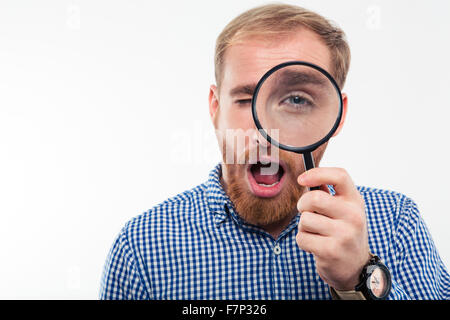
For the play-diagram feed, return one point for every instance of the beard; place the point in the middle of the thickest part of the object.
(261, 211)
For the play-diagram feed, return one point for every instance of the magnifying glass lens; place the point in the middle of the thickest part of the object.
(297, 106)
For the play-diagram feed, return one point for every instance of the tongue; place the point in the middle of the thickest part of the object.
(264, 178)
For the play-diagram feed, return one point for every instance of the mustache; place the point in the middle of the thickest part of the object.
(240, 146)
(270, 159)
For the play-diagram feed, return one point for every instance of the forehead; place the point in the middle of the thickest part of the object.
(246, 61)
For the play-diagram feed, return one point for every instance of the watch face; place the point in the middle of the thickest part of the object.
(377, 282)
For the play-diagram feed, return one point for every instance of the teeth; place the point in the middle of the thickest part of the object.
(268, 185)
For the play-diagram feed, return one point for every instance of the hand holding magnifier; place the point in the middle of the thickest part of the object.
(302, 103)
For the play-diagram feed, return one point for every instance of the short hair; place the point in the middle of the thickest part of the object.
(275, 20)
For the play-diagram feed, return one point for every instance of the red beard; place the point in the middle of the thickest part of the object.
(265, 211)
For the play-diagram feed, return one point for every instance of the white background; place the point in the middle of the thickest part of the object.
(103, 114)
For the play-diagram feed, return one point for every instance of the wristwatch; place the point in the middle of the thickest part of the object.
(375, 283)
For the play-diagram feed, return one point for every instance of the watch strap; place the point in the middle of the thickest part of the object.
(352, 294)
(346, 295)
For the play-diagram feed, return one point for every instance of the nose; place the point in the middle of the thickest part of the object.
(259, 139)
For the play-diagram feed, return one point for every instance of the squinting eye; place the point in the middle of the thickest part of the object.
(244, 101)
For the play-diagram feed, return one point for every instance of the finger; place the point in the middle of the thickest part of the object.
(310, 242)
(337, 177)
(321, 202)
(315, 223)
(324, 188)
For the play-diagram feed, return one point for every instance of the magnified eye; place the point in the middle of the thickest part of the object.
(297, 101)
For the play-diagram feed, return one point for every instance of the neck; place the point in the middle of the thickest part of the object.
(275, 229)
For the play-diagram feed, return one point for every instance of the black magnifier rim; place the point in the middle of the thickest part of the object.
(263, 132)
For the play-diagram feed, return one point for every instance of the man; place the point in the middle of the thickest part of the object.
(247, 235)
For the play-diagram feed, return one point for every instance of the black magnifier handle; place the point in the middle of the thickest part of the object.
(308, 161)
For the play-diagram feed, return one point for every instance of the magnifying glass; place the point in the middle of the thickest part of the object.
(302, 103)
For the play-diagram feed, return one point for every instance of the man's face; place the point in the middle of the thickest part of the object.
(260, 198)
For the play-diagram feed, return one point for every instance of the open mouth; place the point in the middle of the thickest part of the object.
(265, 179)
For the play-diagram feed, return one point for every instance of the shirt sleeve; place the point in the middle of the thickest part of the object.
(121, 279)
(418, 272)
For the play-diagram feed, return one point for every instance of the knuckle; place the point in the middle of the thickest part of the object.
(333, 228)
(299, 236)
(339, 228)
(349, 238)
(357, 220)
(342, 173)
(346, 238)
(306, 215)
(301, 228)
(300, 239)
(304, 220)
(313, 200)
(331, 251)
(310, 199)
(300, 205)
(316, 196)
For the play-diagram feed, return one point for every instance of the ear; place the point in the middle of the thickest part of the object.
(213, 103)
(344, 113)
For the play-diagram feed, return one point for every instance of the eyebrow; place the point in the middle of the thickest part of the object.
(246, 89)
(290, 77)
(293, 78)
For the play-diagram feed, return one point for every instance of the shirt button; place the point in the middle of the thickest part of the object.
(277, 249)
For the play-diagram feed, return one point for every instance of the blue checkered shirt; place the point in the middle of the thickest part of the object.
(195, 246)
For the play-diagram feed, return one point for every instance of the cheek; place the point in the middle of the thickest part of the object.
(318, 153)
(293, 160)
(232, 125)
(235, 117)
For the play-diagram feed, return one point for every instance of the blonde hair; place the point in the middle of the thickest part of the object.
(276, 20)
